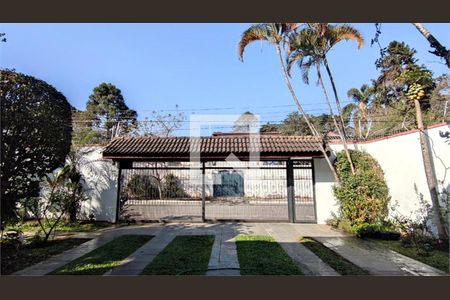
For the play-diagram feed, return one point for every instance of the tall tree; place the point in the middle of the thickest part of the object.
(362, 98)
(83, 134)
(418, 86)
(277, 34)
(245, 122)
(389, 102)
(160, 124)
(111, 115)
(35, 137)
(439, 49)
(309, 47)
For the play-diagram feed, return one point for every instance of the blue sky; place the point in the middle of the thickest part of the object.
(158, 66)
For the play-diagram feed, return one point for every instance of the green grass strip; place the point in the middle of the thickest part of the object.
(185, 255)
(438, 259)
(331, 258)
(104, 258)
(262, 255)
(13, 260)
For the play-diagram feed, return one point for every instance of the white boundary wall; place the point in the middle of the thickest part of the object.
(100, 185)
(400, 158)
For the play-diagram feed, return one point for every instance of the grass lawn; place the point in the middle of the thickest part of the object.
(331, 258)
(33, 226)
(438, 259)
(185, 255)
(104, 258)
(262, 255)
(13, 260)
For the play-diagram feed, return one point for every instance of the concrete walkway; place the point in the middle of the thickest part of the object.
(307, 261)
(224, 255)
(372, 257)
(376, 259)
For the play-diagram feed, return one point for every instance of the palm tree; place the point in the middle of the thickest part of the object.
(439, 49)
(309, 47)
(304, 48)
(361, 97)
(277, 35)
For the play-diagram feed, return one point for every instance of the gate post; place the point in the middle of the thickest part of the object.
(203, 192)
(290, 190)
(119, 181)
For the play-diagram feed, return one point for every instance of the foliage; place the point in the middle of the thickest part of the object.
(32, 226)
(111, 116)
(383, 231)
(144, 186)
(83, 133)
(416, 231)
(160, 124)
(295, 124)
(358, 112)
(172, 187)
(62, 193)
(364, 196)
(36, 136)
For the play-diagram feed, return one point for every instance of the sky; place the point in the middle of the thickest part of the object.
(194, 66)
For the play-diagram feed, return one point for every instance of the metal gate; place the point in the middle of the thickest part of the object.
(251, 191)
(304, 192)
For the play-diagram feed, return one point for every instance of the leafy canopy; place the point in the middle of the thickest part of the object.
(36, 135)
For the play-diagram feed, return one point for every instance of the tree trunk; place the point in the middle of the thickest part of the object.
(297, 103)
(338, 105)
(431, 179)
(327, 100)
(440, 50)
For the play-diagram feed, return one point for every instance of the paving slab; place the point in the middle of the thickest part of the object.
(307, 261)
(224, 254)
(377, 260)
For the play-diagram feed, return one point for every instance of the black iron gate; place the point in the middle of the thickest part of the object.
(253, 191)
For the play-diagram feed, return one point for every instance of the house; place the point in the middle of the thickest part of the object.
(237, 189)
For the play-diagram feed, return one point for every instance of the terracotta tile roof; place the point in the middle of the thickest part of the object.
(215, 145)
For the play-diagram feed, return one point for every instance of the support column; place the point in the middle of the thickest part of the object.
(290, 190)
(203, 192)
(119, 181)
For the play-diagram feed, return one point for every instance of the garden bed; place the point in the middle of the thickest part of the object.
(13, 260)
(104, 258)
(33, 226)
(262, 255)
(331, 258)
(185, 255)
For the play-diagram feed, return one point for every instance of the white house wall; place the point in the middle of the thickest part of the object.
(100, 185)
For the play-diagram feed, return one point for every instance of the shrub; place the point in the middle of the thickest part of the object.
(416, 232)
(35, 136)
(172, 187)
(364, 196)
(383, 231)
(143, 186)
(333, 221)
